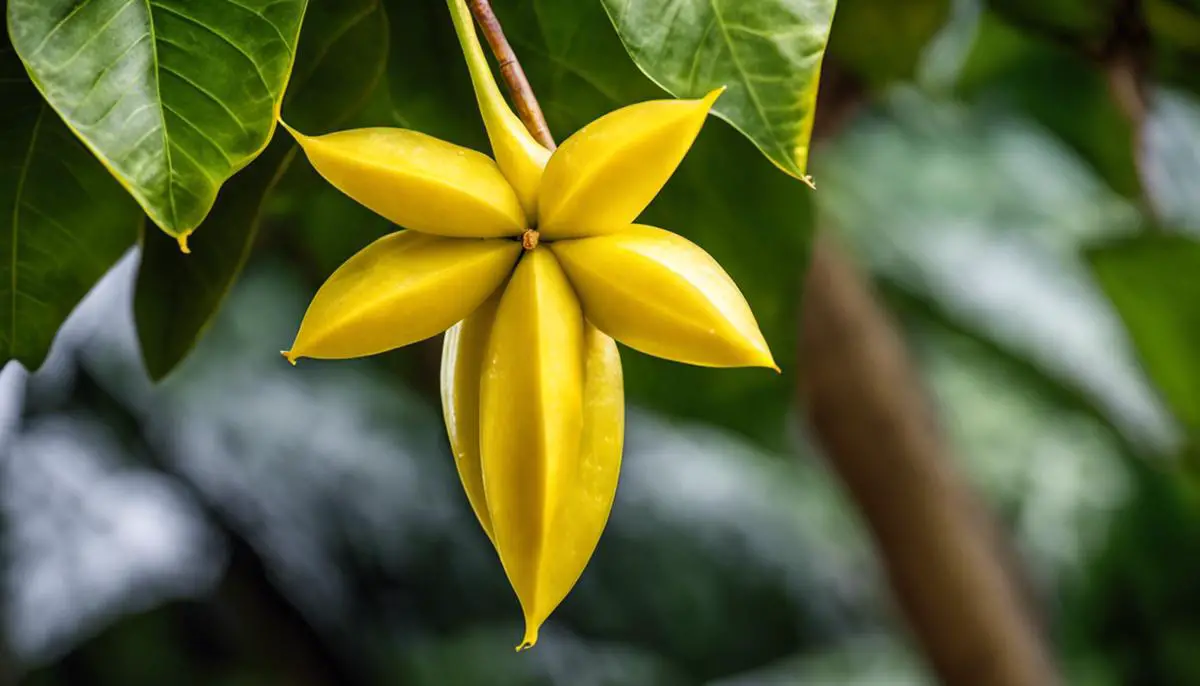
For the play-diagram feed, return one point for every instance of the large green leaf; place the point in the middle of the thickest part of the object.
(63, 220)
(341, 57)
(755, 221)
(174, 96)
(1154, 282)
(767, 52)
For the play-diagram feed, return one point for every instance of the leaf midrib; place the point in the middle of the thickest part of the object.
(162, 114)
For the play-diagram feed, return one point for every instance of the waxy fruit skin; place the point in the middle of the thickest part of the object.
(659, 293)
(418, 181)
(575, 527)
(604, 175)
(403, 288)
(531, 412)
(463, 351)
(532, 389)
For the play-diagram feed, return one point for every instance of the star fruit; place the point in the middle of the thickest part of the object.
(532, 265)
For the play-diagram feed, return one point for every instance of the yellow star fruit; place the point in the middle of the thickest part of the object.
(532, 266)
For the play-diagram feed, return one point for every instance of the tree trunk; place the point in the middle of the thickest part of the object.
(940, 548)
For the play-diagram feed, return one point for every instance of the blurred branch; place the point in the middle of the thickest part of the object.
(1124, 63)
(951, 572)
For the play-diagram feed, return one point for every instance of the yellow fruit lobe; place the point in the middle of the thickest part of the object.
(418, 181)
(663, 295)
(531, 419)
(403, 288)
(583, 511)
(600, 179)
(519, 156)
(463, 352)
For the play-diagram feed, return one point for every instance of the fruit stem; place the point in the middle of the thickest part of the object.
(510, 70)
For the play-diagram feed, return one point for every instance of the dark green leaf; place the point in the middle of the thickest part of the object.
(908, 27)
(341, 57)
(174, 96)
(1085, 23)
(63, 219)
(1154, 282)
(1175, 28)
(756, 222)
(767, 52)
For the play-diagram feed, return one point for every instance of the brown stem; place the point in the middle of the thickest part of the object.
(510, 70)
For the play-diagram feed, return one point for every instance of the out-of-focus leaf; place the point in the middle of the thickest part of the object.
(1154, 283)
(858, 42)
(1084, 22)
(725, 197)
(1175, 22)
(767, 52)
(1063, 392)
(429, 83)
(174, 96)
(63, 220)
(985, 216)
(1059, 88)
(341, 57)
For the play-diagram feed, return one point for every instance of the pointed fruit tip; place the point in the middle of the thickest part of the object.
(713, 94)
(530, 640)
(183, 243)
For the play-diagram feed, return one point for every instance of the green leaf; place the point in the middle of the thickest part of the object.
(733, 203)
(341, 57)
(63, 220)
(173, 96)
(767, 52)
(908, 27)
(1152, 281)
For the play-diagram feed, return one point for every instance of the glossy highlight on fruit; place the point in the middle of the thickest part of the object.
(532, 265)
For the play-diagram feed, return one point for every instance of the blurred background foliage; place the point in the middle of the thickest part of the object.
(1035, 234)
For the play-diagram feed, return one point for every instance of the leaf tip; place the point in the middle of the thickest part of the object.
(183, 242)
(290, 356)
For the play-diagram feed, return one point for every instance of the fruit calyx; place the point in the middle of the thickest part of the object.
(529, 239)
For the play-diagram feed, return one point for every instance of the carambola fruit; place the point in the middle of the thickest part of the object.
(533, 266)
